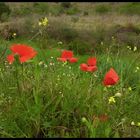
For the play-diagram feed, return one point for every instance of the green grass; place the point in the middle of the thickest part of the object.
(50, 99)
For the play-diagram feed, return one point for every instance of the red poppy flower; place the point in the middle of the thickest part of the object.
(72, 60)
(111, 77)
(103, 117)
(83, 67)
(67, 56)
(90, 66)
(10, 58)
(25, 53)
(91, 61)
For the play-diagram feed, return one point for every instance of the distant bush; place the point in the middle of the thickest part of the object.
(72, 11)
(66, 4)
(4, 11)
(41, 8)
(23, 11)
(103, 9)
(130, 8)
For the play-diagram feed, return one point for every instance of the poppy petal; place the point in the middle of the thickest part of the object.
(91, 68)
(92, 61)
(25, 58)
(73, 60)
(10, 58)
(62, 59)
(103, 118)
(83, 67)
(111, 77)
(21, 49)
(67, 54)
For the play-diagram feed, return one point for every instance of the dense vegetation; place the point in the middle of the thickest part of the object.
(44, 97)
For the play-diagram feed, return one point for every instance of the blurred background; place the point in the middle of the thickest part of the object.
(83, 24)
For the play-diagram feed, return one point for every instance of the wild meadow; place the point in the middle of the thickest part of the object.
(53, 84)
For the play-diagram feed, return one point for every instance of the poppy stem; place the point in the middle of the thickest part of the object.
(17, 73)
(17, 79)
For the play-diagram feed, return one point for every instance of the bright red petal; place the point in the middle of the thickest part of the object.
(67, 54)
(111, 77)
(83, 67)
(22, 49)
(10, 58)
(73, 60)
(25, 58)
(62, 59)
(91, 68)
(92, 61)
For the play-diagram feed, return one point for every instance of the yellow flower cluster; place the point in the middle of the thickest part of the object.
(43, 22)
(135, 124)
(111, 100)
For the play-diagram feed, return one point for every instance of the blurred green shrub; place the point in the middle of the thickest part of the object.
(72, 11)
(130, 8)
(41, 8)
(103, 8)
(80, 47)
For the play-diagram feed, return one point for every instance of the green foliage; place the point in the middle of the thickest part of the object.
(130, 8)
(54, 96)
(23, 11)
(72, 11)
(80, 47)
(41, 8)
(103, 9)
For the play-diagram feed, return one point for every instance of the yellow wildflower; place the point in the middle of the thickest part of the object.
(40, 23)
(130, 89)
(128, 47)
(111, 100)
(137, 68)
(138, 124)
(132, 123)
(135, 48)
(43, 22)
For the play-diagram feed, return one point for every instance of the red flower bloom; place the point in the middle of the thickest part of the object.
(91, 61)
(103, 117)
(111, 77)
(83, 67)
(72, 60)
(90, 66)
(25, 53)
(10, 58)
(67, 56)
